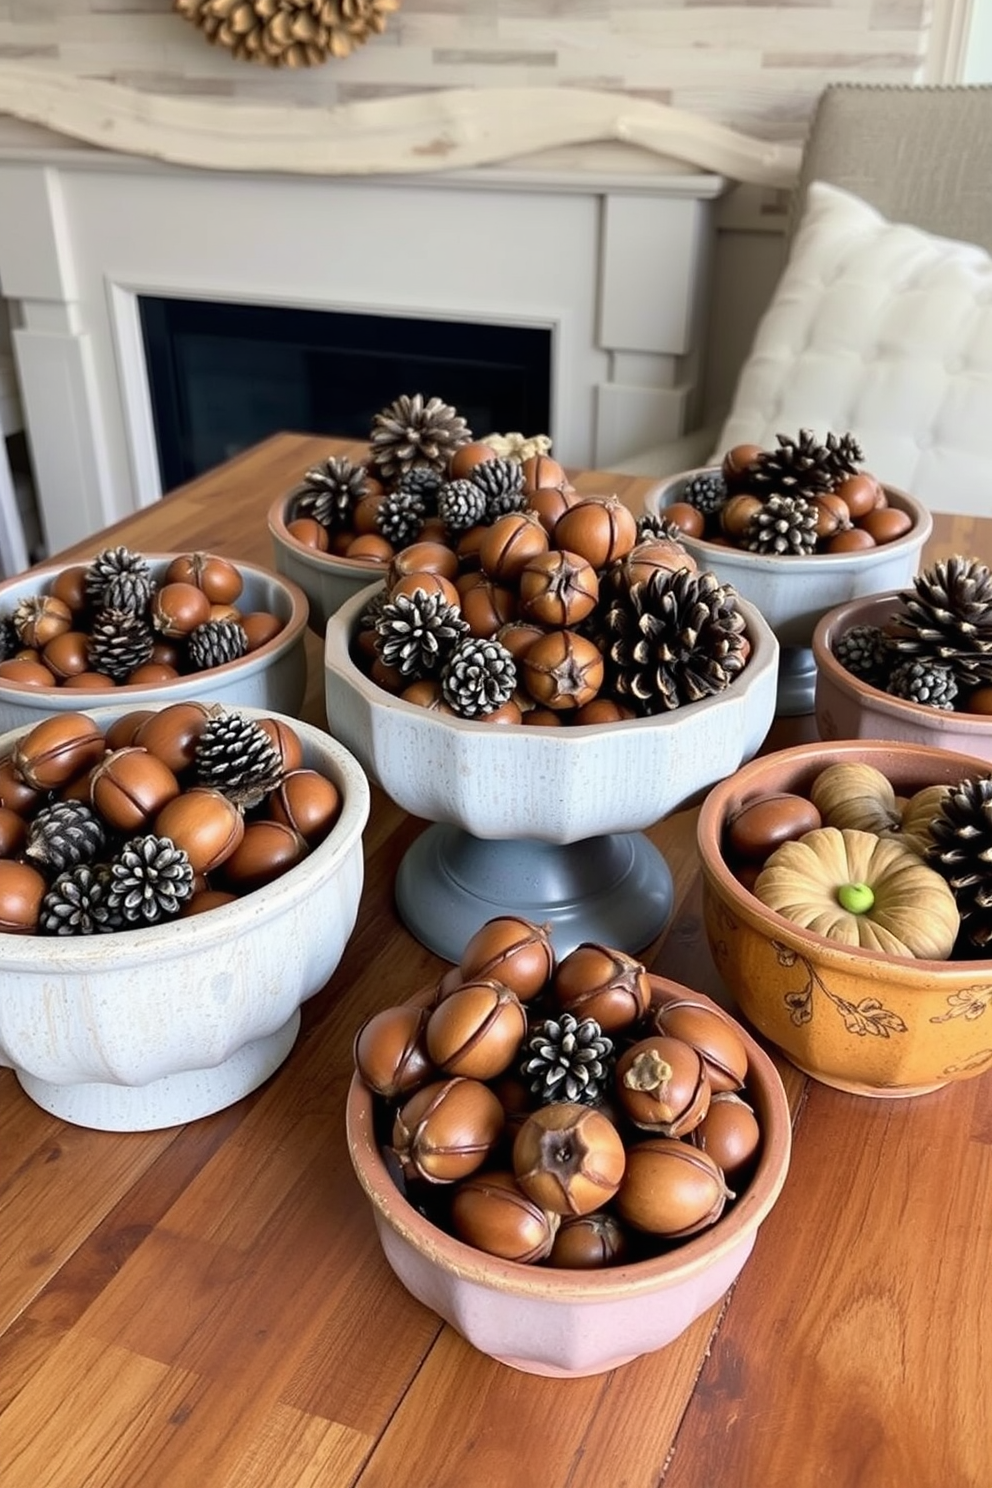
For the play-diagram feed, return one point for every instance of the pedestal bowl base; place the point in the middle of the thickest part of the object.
(796, 681)
(615, 890)
(173, 1099)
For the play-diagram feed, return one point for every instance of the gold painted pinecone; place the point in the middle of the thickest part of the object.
(288, 33)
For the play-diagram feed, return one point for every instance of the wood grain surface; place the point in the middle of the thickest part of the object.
(208, 1305)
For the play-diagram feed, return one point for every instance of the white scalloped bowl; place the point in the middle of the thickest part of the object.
(328, 582)
(273, 677)
(140, 1029)
(547, 785)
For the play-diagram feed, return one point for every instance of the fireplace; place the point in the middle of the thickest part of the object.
(221, 377)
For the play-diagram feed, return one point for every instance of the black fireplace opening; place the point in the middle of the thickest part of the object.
(223, 376)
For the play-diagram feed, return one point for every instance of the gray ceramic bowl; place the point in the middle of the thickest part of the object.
(326, 581)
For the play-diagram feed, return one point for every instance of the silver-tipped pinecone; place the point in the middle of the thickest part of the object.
(782, 525)
(461, 504)
(369, 618)
(416, 633)
(928, 682)
(502, 482)
(416, 431)
(64, 834)
(77, 903)
(568, 1060)
(797, 467)
(129, 591)
(150, 880)
(706, 491)
(949, 616)
(478, 677)
(864, 651)
(215, 642)
(9, 639)
(119, 642)
(330, 492)
(109, 566)
(400, 517)
(673, 639)
(235, 755)
(423, 481)
(845, 456)
(961, 849)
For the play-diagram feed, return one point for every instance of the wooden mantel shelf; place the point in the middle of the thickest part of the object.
(208, 1305)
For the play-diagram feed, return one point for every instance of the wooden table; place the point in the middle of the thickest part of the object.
(207, 1306)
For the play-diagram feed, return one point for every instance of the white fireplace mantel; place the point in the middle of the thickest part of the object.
(612, 263)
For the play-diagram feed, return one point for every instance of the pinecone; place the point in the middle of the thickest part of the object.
(927, 682)
(502, 483)
(417, 632)
(77, 902)
(64, 834)
(129, 591)
(673, 639)
(461, 504)
(330, 492)
(235, 755)
(845, 456)
(422, 481)
(655, 527)
(119, 642)
(288, 33)
(150, 879)
(215, 642)
(400, 517)
(706, 491)
(414, 431)
(782, 525)
(9, 640)
(863, 651)
(110, 565)
(568, 1060)
(949, 613)
(961, 850)
(798, 467)
(369, 618)
(478, 677)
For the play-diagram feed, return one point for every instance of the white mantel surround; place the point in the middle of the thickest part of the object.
(611, 263)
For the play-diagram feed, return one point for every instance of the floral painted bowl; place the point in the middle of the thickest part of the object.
(856, 1019)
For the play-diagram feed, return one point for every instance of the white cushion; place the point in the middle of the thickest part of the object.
(885, 331)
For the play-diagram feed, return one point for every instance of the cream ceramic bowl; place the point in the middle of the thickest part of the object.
(141, 1029)
(863, 1022)
(273, 677)
(793, 592)
(847, 707)
(560, 1322)
(544, 822)
(326, 581)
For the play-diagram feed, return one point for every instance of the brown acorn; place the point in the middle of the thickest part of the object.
(172, 733)
(662, 1086)
(585, 1242)
(423, 557)
(509, 544)
(670, 1188)
(285, 741)
(15, 793)
(513, 951)
(477, 1030)
(176, 609)
(729, 1133)
(260, 627)
(219, 579)
(760, 824)
(130, 786)
(57, 749)
(446, 1130)
(22, 889)
(568, 1158)
(601, 528)
(13, 833)
(563, 670)
(309, 532)
(204, 824)
(390, 1053)
(69, 585)
(266, 851)
(306, 801)
(491, 1211)
(39, 618)
(714, 1036)
(121, 732)
(558, 589)
(67, 654)
(595, 981)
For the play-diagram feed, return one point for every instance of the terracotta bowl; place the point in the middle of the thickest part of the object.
(553, 1321)
(326, 581)
(140, 1029)
(849, 708)
(866, 1023)
(793, 592)
(273, 677)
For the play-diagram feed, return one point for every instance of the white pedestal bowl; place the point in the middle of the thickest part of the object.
(542, 822)
(141, 1029)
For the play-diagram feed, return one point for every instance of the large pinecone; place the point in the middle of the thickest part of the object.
(782, 525)
(502, 483)
(235, 755)
(64, 834)
(216, 642)
(949, 616)
(150, 880)
(330, 492)
(927, 682)
(416, 431)
(478, 677)
(568, 1060)
(673, 639)
(845, 456)
(109, 567)
(961, 850)
(119, 642)
(798, 467)
(416, 633)
(77, 902)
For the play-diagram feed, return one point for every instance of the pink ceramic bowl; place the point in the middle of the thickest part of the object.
(847, 707)
(560, 1322)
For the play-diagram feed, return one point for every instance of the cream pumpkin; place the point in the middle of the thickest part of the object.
(862, 890)
(852, 794)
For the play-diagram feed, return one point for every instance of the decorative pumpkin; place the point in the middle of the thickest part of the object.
(857, 795)
(861, 890)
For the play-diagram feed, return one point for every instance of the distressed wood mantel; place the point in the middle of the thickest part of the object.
(443, 130)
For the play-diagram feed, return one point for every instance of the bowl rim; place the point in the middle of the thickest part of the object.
(565, 1284)
(292, 630)
(85, 953)
(833, 624)
(771, 924)
(811, 563)
(338, 659)
(328, 563)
